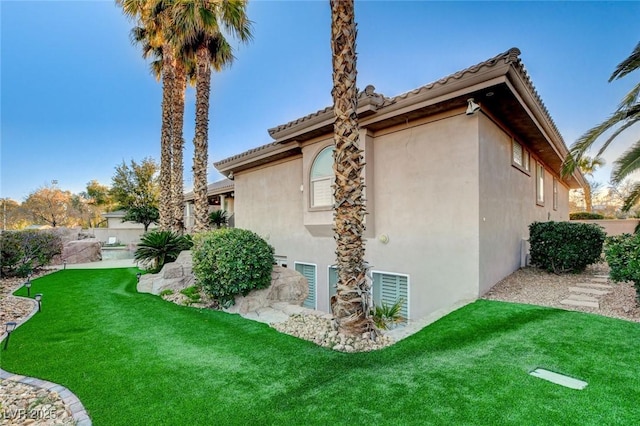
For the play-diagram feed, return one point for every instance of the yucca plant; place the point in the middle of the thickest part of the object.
(159, 247)
(218, 218)
(388, 316)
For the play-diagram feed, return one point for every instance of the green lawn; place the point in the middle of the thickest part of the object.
(136, 359)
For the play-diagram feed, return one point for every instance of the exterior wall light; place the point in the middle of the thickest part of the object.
(384, 238)
(9, 327)
(39, 300)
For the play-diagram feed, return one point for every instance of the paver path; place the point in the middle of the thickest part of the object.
(587, 293)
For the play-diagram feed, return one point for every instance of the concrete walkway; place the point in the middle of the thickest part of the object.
(102, 264)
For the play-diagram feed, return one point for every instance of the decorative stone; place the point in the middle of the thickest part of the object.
(82, 251)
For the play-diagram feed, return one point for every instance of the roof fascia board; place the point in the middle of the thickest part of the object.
(253, 157)
(539, 117)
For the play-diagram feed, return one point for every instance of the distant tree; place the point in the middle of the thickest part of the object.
(135, 189)
(588, 165)
(12, 216)
(145, 215)
(49, 205)
(624, 117)
(97, 199)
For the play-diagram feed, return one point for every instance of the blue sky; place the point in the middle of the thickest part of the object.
(77, 98)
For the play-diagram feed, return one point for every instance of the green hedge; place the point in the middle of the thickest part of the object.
(561, 247)
(230, 262)
(623, 256)
(585, 216)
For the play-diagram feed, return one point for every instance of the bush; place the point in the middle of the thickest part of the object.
(231, 261)
(622, 253)
(25, 251)
(218, 218)
(565, 247)
(585, 216)
(159, 247)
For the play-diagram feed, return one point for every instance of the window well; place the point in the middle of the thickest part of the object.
(559, 379)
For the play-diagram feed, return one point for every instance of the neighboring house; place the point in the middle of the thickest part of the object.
(220, 196)
(450, 188)
(119, 232)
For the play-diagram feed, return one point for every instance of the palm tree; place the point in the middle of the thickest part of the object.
(588, 165)
(352, 303)
(199, 25)
(154, 21)
(627, 114)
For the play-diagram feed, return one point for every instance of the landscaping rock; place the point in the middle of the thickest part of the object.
(81, 251)
(287, 286)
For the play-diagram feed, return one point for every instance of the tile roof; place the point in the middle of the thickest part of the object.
(511, 56)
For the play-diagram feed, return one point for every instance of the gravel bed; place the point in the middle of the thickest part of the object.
(538, 287)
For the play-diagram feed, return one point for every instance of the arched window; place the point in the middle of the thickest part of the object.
(322, 178)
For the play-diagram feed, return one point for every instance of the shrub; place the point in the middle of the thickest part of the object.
(565, 247)
(388, 316)
(25, 251)
(231, 261)
(585, 216)
(622, 253)
(218, 218)
(159, 247)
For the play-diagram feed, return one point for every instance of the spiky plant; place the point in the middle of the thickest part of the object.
(159, 247)
(218, 218)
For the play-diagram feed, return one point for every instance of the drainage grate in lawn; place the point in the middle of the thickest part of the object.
(559, 379)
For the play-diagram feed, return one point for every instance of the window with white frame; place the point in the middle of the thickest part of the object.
(321, 179)
(539, 184)
(389, 288)
(520, 157)
(555, 194)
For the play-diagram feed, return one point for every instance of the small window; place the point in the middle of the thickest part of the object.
(539, 184)
(391, 288)
(321, 179)
(555, 194)
(309, 272)
(520, 156)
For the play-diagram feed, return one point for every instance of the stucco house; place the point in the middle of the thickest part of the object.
(220, 196)
(451, 187)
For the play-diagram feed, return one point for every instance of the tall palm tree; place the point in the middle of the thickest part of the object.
(627, 114)
(199, 29)
(352, 304)
(154, 19)
(588, 165)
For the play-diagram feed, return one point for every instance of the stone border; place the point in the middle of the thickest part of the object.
(71, 401)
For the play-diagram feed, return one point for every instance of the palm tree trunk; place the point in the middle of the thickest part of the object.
(177, 146)
(352, 303)
(587, 199)
(200, 140)
(168, 91)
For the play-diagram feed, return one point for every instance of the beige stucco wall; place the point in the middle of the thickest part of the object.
(614, 226)
(449, 202)
(426, 206)
(508, 204)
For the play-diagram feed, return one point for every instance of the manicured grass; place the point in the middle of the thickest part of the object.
(136, 359)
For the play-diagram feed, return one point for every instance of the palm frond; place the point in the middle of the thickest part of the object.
(630, 64)
(633, 198)
(616, 133)
(628, 163)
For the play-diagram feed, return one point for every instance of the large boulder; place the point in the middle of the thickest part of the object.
(174, 276)
(81, 251)
(287, 285)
